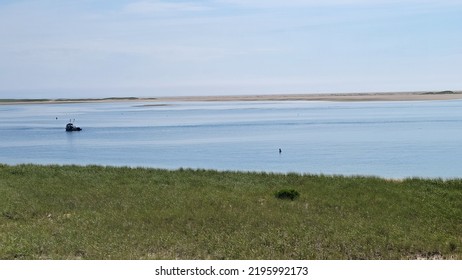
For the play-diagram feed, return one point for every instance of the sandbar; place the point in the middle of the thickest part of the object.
(338, 97)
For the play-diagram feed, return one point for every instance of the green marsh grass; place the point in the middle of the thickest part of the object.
(95, 212)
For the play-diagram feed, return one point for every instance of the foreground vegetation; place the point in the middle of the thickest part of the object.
(94, 212)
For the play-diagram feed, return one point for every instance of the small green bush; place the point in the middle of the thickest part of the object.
(287, 194)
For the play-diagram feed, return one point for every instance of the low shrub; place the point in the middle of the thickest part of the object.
(287, 194)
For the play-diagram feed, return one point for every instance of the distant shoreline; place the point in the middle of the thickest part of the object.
(340, 97)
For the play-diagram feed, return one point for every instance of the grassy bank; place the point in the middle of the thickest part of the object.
(69, 212)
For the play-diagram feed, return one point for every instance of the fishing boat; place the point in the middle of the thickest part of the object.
(71, 127)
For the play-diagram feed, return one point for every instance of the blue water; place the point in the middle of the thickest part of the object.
(388, 139)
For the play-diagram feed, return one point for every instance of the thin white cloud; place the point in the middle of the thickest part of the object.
(321, 3)
(157, 6)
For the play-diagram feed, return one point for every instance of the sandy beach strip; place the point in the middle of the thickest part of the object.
(340, 97)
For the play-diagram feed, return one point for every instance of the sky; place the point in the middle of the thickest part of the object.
(149, 48)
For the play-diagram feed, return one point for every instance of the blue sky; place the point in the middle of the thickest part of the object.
(91, 48)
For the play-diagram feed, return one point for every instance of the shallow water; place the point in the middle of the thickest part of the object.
(389, 139)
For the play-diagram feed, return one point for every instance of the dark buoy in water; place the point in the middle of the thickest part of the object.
(280, 151)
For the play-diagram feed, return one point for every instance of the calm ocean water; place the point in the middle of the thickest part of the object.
(389, 139)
